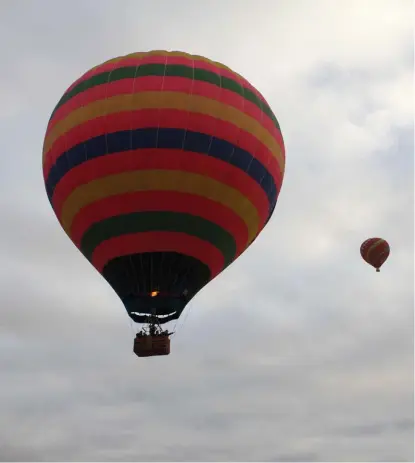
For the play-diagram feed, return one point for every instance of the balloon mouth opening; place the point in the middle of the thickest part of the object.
(165, 308)
(378, 269)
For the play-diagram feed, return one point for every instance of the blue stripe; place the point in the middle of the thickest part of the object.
(164, 139)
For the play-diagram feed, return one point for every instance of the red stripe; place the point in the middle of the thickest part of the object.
(135, 243)
(374, 254)
(169, 59)
(168, 84)
(365, 245)
(369, 243)
(143, 201)
(168, 118)
(148, 159)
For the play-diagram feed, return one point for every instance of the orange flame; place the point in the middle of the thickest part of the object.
(154, 293)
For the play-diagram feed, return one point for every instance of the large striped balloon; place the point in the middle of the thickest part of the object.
(375, 251)
(162, 167)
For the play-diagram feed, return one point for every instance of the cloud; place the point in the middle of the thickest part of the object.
(299, 351)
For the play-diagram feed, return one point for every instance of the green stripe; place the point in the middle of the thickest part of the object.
(172, 70)
(159, 221)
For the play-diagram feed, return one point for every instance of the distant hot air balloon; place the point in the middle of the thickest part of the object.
(162, 168)
(375, 251)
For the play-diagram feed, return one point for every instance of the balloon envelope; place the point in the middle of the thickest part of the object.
(162, 168)
(375, 251)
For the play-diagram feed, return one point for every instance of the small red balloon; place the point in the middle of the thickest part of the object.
(375, 251)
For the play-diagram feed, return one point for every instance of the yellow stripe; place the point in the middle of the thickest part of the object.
(160, 180)
(165, 100)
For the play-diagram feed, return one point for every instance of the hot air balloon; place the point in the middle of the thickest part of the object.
(375, 251)
(162, 168)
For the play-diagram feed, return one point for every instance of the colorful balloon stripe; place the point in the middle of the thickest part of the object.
(162, 167)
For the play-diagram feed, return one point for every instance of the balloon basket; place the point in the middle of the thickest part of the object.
(149, 346)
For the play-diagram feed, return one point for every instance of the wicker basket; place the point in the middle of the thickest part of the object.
(147, 346)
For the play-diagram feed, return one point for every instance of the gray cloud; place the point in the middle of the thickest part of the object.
(299, 351)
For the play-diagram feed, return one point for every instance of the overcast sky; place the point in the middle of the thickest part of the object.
(299, 351)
